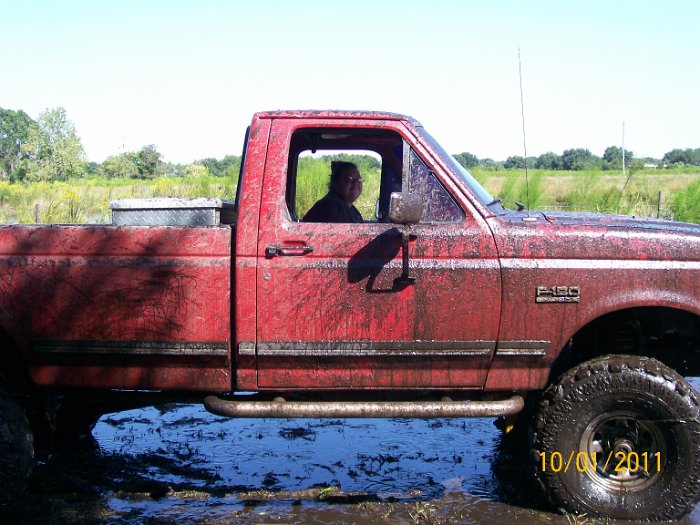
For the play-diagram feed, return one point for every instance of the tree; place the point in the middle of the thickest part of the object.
(613, 157)
(683, 156)
(490, 164)
(579, 159)
(120, 167)
(54, 148)
(467, 160)
(174, 170)
(231, 165)
(14, 135)
(93, 169)
(365, 163)
(514, 162)
(676, 156)
(214, 166)
(549, 161)
(196, 169)
(148, 162)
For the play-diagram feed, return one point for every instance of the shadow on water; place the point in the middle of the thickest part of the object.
(180, 464)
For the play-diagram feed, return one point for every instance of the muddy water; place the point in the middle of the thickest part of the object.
(180, 464)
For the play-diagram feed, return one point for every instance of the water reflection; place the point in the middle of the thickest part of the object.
(180, 464)
(452, 466)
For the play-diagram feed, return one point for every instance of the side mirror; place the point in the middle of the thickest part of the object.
(405, 208)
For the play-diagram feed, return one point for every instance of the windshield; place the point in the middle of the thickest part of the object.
(457, 169)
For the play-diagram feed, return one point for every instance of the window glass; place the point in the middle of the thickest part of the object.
(438, 204)
(455, 167)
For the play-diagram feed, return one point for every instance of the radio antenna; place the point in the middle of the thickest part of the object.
(522, 114)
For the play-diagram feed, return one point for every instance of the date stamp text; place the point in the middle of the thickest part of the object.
(620, 462)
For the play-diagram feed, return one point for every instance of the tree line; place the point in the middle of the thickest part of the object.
(49, 149)
(578, 159)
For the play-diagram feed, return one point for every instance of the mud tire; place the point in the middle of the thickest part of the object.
(612, 404)
(16, 451)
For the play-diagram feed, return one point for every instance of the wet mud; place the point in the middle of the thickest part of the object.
(180, 464)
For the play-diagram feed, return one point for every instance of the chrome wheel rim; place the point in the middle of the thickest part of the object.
(625, 453)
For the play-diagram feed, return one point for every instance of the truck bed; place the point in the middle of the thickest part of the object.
(144, 307)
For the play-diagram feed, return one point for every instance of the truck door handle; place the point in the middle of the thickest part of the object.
(274, 250)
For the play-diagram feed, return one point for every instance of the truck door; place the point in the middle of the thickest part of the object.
(332, 311)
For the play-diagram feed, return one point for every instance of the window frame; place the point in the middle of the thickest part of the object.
(384, 152)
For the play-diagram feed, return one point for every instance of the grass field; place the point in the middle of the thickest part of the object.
(87, 201)
(672, 194)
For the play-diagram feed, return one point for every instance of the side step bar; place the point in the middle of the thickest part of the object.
(352, 409)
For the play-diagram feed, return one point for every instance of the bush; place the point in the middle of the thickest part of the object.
(686, 204)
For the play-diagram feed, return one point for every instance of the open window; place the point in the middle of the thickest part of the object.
(386, 164)
(377, 154)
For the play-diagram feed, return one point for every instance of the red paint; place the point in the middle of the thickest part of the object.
(105, 283)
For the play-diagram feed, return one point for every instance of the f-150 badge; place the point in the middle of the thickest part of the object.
(558, 294)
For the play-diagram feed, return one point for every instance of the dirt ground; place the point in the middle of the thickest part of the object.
(180, 464)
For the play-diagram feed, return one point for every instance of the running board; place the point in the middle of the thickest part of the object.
(352, 409)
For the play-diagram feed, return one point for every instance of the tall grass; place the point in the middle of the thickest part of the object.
(603, 191)
(87, 201)
(686, 204)
(515, 187)
(312, 183)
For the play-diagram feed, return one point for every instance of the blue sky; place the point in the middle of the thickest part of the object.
(187, 76)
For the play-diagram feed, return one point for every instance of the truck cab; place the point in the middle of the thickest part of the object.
(332, 309)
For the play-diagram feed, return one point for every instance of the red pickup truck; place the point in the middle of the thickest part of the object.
(579, 328)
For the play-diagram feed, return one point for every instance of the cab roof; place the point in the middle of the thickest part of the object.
(335, 114)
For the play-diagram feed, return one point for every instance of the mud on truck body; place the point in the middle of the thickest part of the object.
(577, 328)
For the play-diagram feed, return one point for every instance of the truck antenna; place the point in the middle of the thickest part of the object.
(624, 175)
(522, 114)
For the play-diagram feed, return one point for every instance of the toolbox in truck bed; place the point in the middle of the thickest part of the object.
(198, 211)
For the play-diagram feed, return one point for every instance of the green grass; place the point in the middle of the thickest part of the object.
(686, 204)
(603, 191)
(87, 201)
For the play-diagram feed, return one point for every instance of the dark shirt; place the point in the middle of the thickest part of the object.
(332, 208)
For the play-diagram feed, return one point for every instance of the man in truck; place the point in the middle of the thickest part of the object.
(343, 190)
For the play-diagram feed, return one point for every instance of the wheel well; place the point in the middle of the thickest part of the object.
(672, 336)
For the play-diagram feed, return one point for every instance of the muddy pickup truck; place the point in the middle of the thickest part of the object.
(578, 330)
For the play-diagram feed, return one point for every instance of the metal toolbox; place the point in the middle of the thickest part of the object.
(200, 211)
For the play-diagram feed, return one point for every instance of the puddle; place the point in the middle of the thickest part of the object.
(180, 464)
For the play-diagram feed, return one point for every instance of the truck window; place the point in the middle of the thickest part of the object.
(438, 204)
(386, 163)
(377, 154)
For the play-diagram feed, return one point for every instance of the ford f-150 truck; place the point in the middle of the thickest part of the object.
(444, 304)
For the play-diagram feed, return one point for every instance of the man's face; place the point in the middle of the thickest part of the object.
(350, 186)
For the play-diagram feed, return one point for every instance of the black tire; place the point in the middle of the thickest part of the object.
(16, 451)
(73, 424)
(610, 411)
(60, 422)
